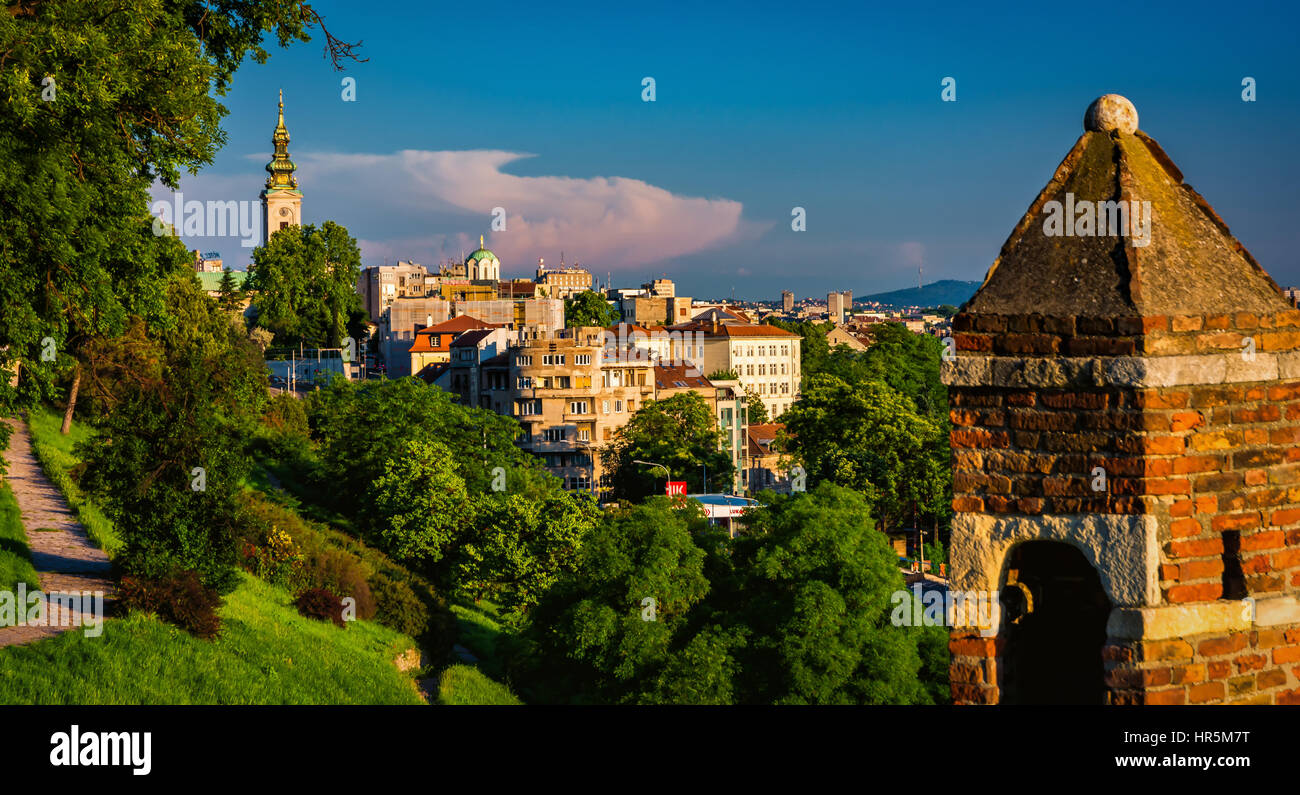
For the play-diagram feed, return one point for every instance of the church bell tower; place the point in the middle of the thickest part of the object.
(281, 199)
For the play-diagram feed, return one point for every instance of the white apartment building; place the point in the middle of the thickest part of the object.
(764, 358)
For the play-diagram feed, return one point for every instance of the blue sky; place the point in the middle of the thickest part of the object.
(760, 107)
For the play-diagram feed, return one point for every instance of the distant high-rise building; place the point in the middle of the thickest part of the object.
(837, 304)
(787, 301)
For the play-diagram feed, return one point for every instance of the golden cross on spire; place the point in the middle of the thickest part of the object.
(480, 241)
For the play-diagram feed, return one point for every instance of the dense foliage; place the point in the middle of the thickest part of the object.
(796, 611)
(589, 308)
(679, 432)
(304, 282)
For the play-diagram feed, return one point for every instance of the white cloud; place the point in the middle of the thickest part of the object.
(610, 223)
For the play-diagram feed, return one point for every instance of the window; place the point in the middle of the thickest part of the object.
(582, 382)
(554, 434)
(578, 407)
(530, 407)
(582, 358)
(762, 369)
(523, 360)
(782, 368)
(584, 435)
(559, 358)
(773, 353)
(618, 406)
(604, 407)
(785, 350)
(631, 406)
(562, 382)
(749, 370)
(525, 382)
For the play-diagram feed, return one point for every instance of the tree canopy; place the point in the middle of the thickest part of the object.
(304, 285)
(589, 308)
(679, 432)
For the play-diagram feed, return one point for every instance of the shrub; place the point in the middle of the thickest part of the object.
(181, 599)
(342, 573)
(398, 607)
(277, 559)
(321, 604)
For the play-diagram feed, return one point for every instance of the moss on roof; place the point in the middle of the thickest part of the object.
(1191, 266)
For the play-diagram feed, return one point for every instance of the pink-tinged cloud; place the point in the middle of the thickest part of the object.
(609, 223)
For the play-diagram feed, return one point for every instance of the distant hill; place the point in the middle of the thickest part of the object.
(946, 291)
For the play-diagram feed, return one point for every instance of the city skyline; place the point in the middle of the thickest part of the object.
(699, 185)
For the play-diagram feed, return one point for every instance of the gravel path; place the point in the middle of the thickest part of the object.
(67, 561)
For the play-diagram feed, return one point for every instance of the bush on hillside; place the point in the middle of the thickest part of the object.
(320, 604)
(179, 599)
(342, 573)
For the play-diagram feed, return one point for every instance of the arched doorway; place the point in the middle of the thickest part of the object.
(1055, 613)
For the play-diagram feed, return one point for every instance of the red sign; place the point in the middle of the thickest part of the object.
(675, 487)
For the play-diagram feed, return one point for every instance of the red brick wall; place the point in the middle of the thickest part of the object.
(1204, 460)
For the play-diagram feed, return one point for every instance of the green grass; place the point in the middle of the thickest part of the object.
(266, 654)
(54, 451)
(15, 557)
(465, 685)
(479, 631)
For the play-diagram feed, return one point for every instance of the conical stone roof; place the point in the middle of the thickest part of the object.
(1177, 258)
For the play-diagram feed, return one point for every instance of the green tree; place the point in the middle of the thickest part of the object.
(95, 106)
(521, 545)
(870, 438)
(589, 308)
(595, 638)
(419, 506)
(230, 295)
(723, 375)
(304, 282)
(679, 432)
(813, 592)
(359, 425)
(756, 409)
(170, 461)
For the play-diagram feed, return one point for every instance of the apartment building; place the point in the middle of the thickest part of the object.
(572, 389)
(563, 282)
(432, 345)
(380, 285)
(787, 301)
(404, 318)
(764, 358)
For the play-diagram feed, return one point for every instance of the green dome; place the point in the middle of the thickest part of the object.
(480, 254)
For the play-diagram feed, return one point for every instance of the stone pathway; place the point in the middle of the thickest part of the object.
(67, 561)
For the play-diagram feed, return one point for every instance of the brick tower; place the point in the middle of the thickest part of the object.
(1126, 409)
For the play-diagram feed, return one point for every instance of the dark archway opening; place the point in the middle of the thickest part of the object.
(1054, 617)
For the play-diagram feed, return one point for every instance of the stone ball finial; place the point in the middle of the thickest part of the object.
(1111, 112)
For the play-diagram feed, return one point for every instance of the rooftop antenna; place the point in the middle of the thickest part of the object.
(919, 284)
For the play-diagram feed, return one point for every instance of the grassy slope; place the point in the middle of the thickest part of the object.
(266, 654)
(478, 623)
(15, 559)
(465, 685)
(54, 451)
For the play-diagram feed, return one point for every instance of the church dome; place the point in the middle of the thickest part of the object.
(481, 254)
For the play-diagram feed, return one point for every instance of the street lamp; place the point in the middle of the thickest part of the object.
(667, 475)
